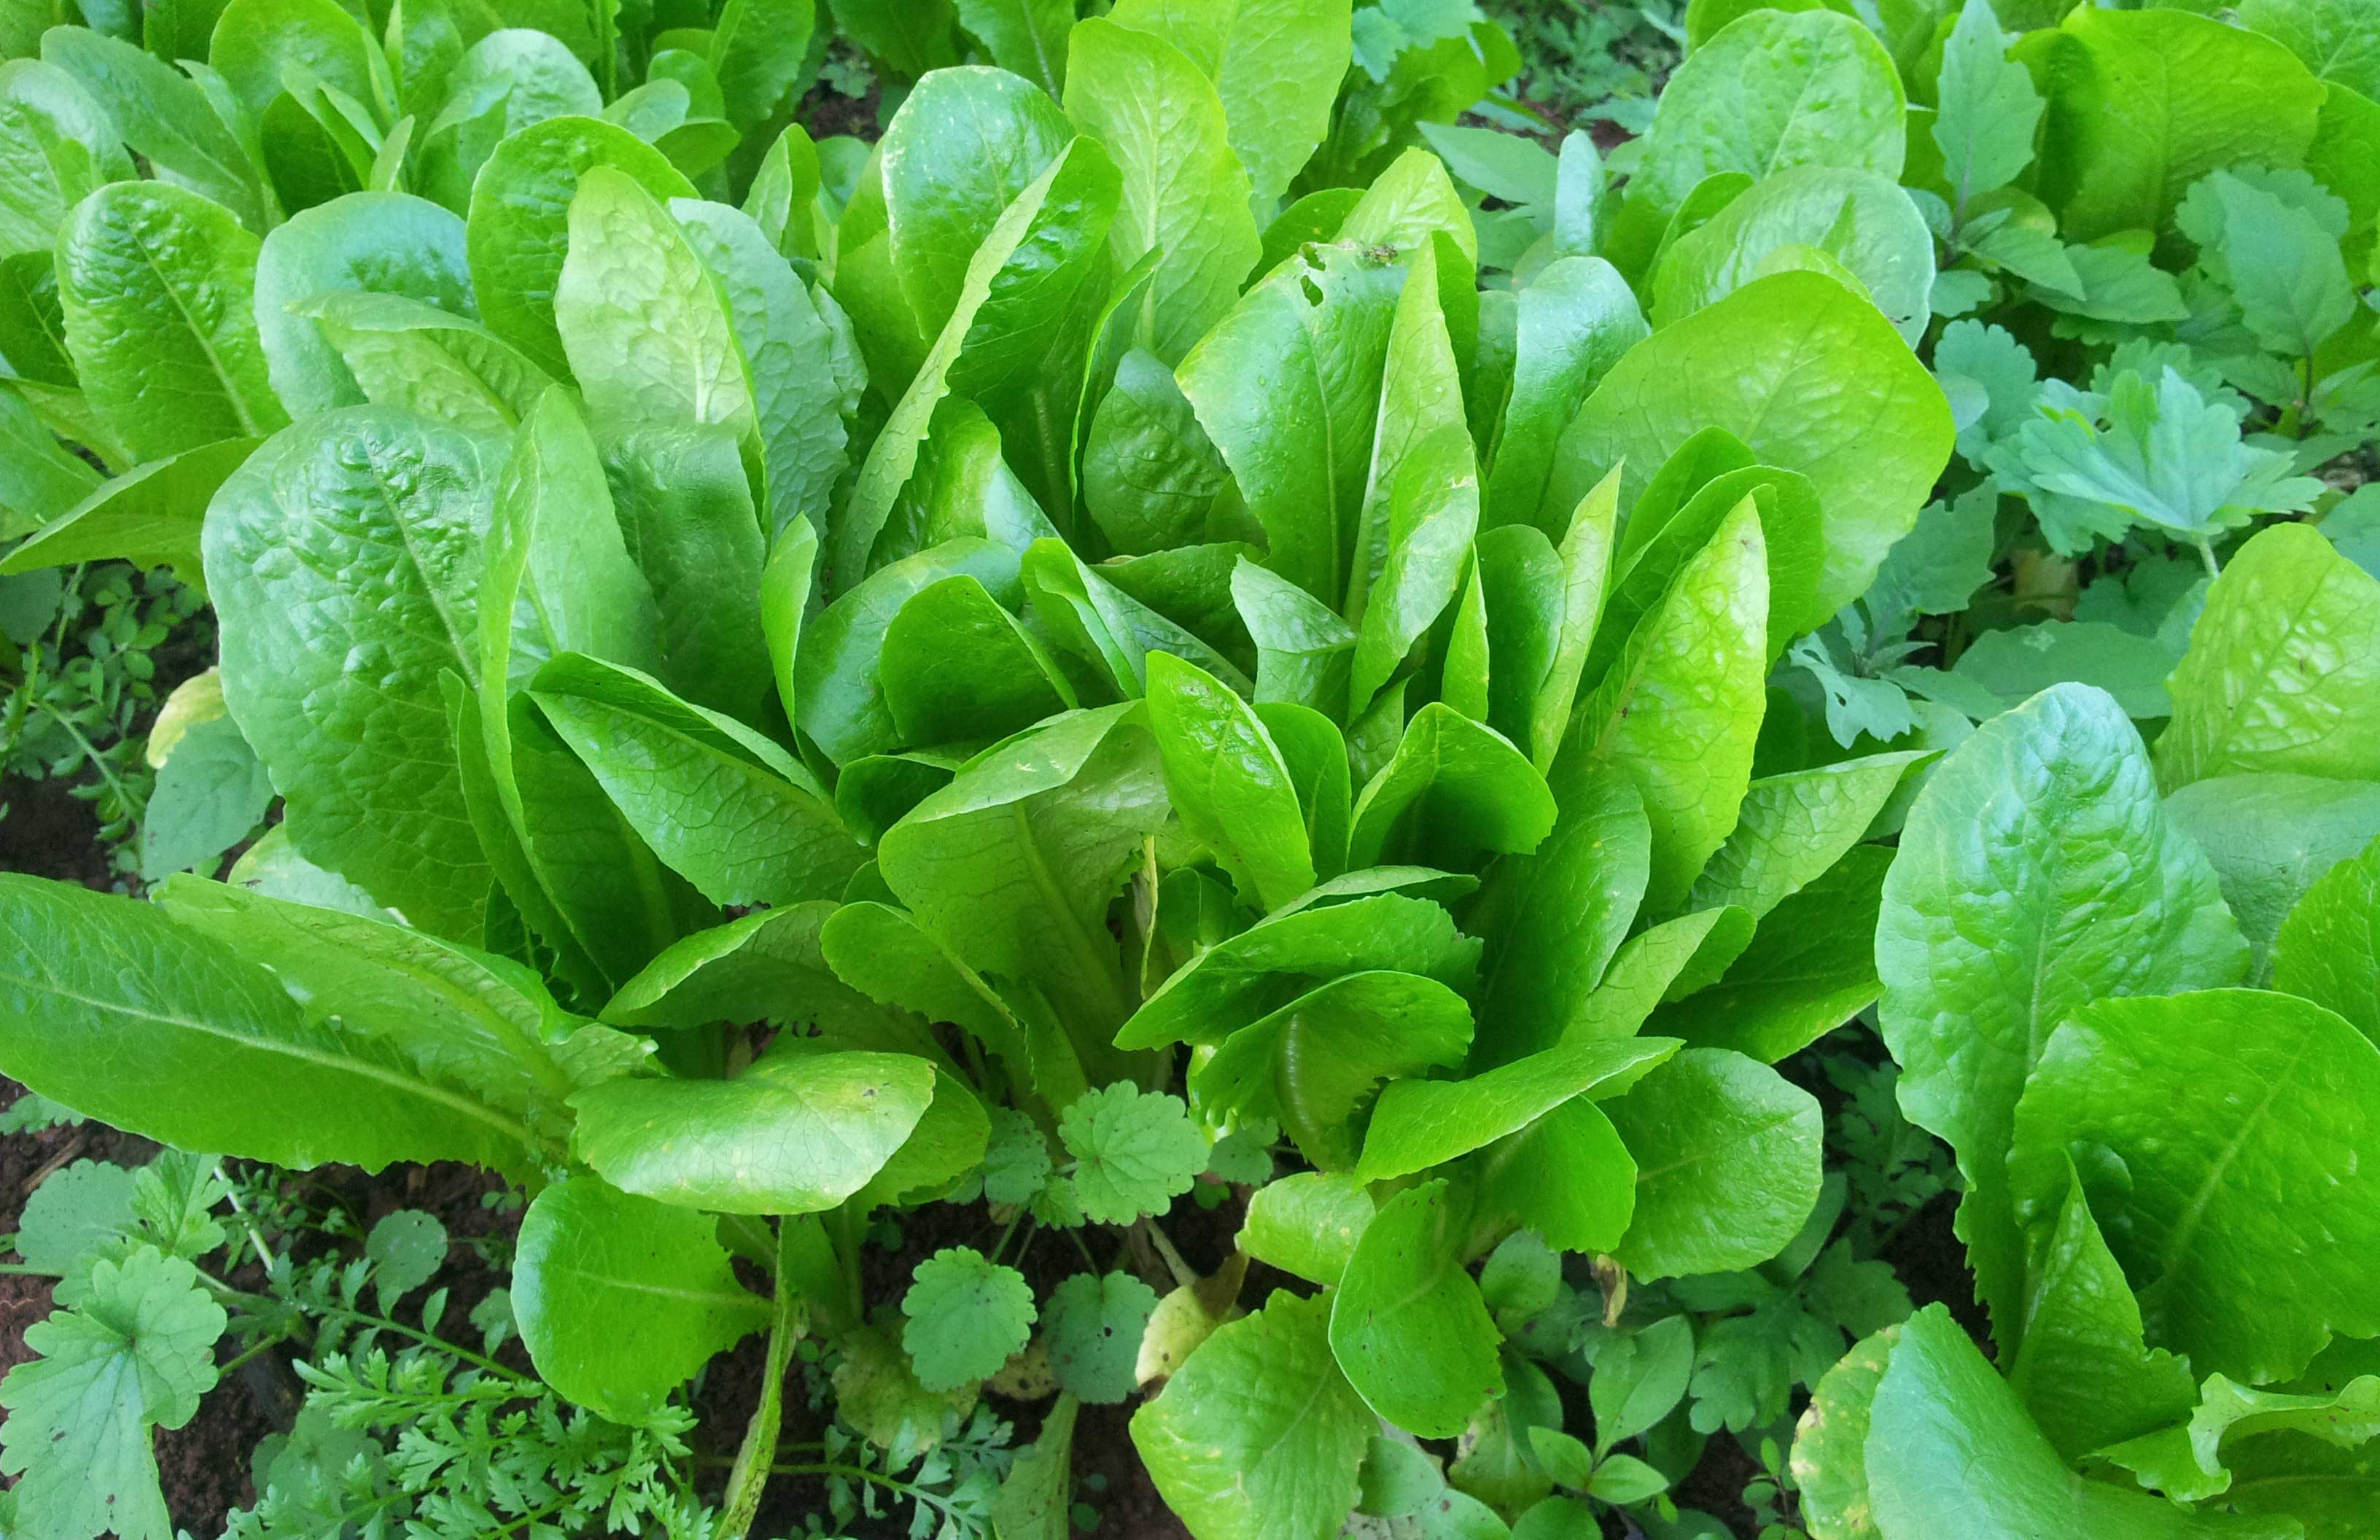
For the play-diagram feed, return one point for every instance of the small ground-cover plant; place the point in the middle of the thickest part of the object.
(1083, 657)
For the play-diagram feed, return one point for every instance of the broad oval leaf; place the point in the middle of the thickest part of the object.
(343, 560)
(621, 1300)
(1407, 1325)
(2038, 873)
(158, 285)
(796, 1134)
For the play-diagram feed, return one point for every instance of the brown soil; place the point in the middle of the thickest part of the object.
(51, 834)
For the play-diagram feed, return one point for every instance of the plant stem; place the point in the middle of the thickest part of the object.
(749, 1477)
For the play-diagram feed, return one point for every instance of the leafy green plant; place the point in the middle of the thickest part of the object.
(80, 666)
(2150, 1059)
(944, 699)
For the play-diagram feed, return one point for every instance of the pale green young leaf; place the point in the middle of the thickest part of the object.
(1857, 218)
(158, 289)
(1772, 90)
(1277, 65)
(2283, 670)
(517, 232)
(387, 243)
(1185, 193)
(788, 354)
(402, 352)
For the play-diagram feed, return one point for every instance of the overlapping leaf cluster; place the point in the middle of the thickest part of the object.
(1096, 629)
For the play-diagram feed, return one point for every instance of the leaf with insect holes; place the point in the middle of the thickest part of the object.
(1094, 1331)
(967, 1316)
(1136, 1151)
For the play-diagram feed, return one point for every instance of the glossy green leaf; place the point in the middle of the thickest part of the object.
(732, 812)
(1854, 215)
(1678, 709)
(796, 1134)
(1407, 1325)
(1016, 295)
(958, 668)
(789, 352)
(2283, 670)
(2270, 838)
(1796, 826)
(1277, 65)
(1419, 1124)
(1577, 318)
(359, 534)
(120, 1014)
(2119, 147)
(1288, 385)
(519, 230)
(2217, 1230)
(2328, 950)
(1251, 975)
(1558, 917)
(1259, 1435)
(1810, 967)
(1454, 791)
(1014, 864)
(839, 694)
(1747, 365)
(621, 1299)
(1228, 782)
(2037, 874)
(2085, 1372)
(151, 515)
(1770, 92)
(1314, 1064)
(164, 115)
(1728, 1164)
(1307, 1224)
(1185, 192)
(158, 288)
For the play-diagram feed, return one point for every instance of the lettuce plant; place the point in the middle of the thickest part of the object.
(2133, 989)
(1103, 678)
(1135, 641)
